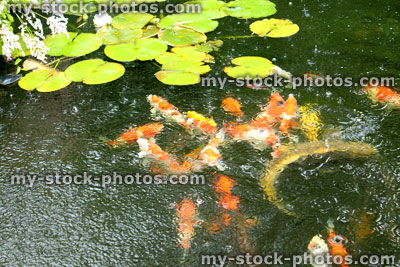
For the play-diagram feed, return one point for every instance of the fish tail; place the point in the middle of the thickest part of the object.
(330, 224)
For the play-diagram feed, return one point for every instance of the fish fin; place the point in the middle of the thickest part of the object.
(330, 224)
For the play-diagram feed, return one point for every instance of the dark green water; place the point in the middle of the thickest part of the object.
(135, 225)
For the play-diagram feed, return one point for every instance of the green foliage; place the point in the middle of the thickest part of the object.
(250, 67)
(94, 71)
(44, 81)
(274, 28)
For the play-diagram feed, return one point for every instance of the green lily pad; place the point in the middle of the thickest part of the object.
(74, 45)
(110, 35)
(131, 20)
(179, 36)
(182, 66)
(250, 67)
(150, 31)
(145, 49)
(246, 9)
(187, 53)
(94, 71)
(192, 20)
(177, 77)
(44, 81)
(211, 9)
(209, 46)
(274, 28)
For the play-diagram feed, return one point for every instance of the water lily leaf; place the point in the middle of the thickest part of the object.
(179, 36)
(192, 20)
(274, 28)
(131, 20)
(182, 66)
(188, 53)
(177, 77)
(187, 66)
(246, 9)
(73, 45)
(145, 49)
(44, 81)
(209, 46)
(211, 9)
(250, 67)
(110, 35)
(94, 71)
(150, 31)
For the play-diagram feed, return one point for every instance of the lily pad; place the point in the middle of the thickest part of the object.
(150, 31)
(180, 36)
(131, 20)
(211, 9)
(177, 77)
(195, 21)
(72, 45)
(44, 81)
(246, 9)
(188, 53)
(274, 28)
(94, 71)
(182, 66)
(145, 49)
(250, 67)
(110, 35)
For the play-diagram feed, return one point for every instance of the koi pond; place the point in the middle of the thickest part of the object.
(285, 168)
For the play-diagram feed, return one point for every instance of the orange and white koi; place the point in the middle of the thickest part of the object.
(290, 112)
(133, 134)
(258, 137)
(318, 250)
(210, 154)
(150, 149)
(272, 113)
(383, 94)
(232, 106)
(223, 189)
(167, 110)
(201, 123)
(186, 212)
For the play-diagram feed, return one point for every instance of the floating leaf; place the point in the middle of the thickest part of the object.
(73, 45)
(94, 71)
(131, 20)
(150, 31)
(179, 36)
(182, 66)
(110, 35)
(44, 81)
(209, 46)
(274, 28)
(210, 9)
(192, 20)
(177, 77)
(250, 67)
(246, 9)
(145, 49)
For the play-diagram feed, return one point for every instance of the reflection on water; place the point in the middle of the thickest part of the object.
(136, 225)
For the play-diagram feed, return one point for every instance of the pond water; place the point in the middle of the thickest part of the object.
(135, 225)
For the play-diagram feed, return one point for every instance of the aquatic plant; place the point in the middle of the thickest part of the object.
(140, 36)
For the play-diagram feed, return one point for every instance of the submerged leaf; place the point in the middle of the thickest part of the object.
(94, 71)
(274, 28)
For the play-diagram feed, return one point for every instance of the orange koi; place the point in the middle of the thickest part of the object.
(186, 212)
(210, 155)
(226, 200)
(232, 106)
(290, 111)
(167, 110)
(133, 134)
(383, 94)
(336, 243)
(151, 150)
(201, 123)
